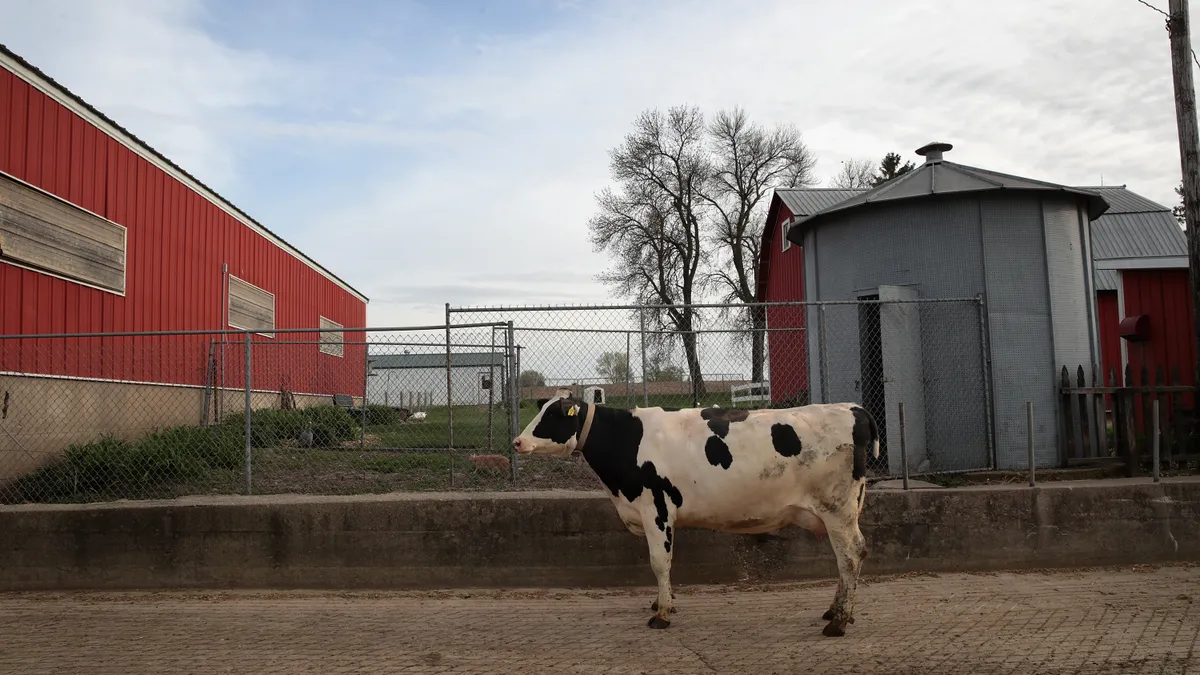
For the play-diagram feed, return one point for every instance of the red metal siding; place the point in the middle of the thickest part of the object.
(1110, 341)
(177, 241)
(787, 351)
(1164, 296)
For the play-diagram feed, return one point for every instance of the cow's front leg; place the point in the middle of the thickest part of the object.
(837, 601)
(660, 536)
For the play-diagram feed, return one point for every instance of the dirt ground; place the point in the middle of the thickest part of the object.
(1117, 620)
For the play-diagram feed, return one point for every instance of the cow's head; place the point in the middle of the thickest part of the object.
(555, 429)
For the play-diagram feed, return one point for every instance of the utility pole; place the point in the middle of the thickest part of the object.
(1178, 26)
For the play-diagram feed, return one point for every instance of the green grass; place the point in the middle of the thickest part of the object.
(390, 456)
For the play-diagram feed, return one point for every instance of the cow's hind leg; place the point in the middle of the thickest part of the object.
(660, 536)
(850, 547)
(654, 605)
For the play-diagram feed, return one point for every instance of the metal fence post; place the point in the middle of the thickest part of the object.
(642, 325)
(1029, 422)
(903, 446)
(449, 401)
(492, 392)
(1156, 442)
(514, 411)
(362, 421)
(246, 458)
(823, 356)
(628, 365)
(986, 365)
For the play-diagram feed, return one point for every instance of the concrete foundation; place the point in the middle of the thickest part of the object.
(570, 539)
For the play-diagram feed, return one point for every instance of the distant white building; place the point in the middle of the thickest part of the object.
(418, 381)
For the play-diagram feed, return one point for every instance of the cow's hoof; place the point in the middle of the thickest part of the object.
(654, 607)
(657, 622)
(828, 615)
(833, 630)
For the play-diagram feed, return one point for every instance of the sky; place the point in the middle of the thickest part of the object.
(451, 151)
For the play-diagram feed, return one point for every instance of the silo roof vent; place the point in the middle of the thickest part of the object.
(932, 152)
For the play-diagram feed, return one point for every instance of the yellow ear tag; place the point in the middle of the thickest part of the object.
(572, 410)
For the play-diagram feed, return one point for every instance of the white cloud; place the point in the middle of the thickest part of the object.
(1020, 90)
(475, 184)
(147, 65)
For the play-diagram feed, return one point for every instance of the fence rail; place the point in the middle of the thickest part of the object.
(1091, 432)
(100, 416)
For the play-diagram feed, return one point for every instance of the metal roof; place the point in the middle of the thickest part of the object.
(460, 360)
(937, 177)
(1135, 227)
(1132, 227)
(807, 201)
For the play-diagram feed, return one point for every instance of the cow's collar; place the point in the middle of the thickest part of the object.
(587, 426)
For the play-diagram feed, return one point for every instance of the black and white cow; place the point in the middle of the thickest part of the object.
(723, 469)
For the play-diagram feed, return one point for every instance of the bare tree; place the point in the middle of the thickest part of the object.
(856, 174)
(748, 163)
(652, 225)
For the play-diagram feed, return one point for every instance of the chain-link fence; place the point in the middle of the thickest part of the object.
(927, 357)
(158, 415)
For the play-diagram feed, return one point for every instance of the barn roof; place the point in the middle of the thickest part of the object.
(1133, 227)
(938, 177)
(157, 157)
(457, 360)
(809, 201)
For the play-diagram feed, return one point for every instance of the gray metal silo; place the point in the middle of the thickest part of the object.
(945, 230)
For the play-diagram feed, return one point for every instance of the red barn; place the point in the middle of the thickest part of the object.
(99, 233)
(781, 279)
(1140, 253)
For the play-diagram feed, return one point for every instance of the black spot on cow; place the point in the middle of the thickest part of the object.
(670, 536)
(785, 440)
(719, 418)
(864, 435)
(661, 488)
(717, 452)
(667, 408)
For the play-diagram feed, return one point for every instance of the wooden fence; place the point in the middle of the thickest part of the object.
(1113, 418)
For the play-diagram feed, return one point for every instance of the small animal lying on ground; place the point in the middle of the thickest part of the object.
(490, 462)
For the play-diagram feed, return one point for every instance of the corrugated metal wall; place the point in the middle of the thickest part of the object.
(1165, 297)
(395, 385)
(1110, 337)
(177, 242)
(787, 352)
(1067, 263)
(911, 244)
(1020, 325)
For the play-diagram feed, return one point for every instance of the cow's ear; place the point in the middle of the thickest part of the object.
(567, 407)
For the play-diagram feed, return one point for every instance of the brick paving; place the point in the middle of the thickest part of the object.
(1128, 620)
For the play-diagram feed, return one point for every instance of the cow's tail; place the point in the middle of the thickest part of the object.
(865, 435)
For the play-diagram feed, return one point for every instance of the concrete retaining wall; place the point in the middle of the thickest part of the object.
(46, 415)
(569, 539)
